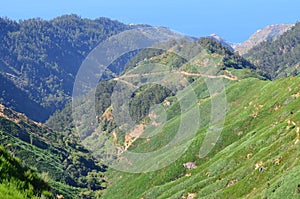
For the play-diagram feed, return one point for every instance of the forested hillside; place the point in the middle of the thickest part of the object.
(279, 58)
(269, 33)
(62, 120)
(39, 59)
(68, 166)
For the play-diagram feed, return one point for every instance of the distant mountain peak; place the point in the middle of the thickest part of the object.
(215, 36)
(270, 32)
(218, 38)
(279, 57)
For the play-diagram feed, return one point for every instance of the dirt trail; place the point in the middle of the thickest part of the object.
(135, 134)
(233, 78)
(125, 82)
(121, 78)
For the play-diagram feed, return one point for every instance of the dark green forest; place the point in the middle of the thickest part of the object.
(41, 58)
(280, 58)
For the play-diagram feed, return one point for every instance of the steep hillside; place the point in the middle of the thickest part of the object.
(40, 59)
(256, 155)
(62, 120)
(12, 96)
(279, 58)
(61, 158)
(213, 61)
(18, 182)
(269, 33)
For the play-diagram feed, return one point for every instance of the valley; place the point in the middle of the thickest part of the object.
(182, 117)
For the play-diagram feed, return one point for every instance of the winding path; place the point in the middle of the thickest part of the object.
(122, 78)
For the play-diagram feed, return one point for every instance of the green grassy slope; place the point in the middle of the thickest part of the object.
(255, 156)
(261, 130)
(69, 167)
(18, 181)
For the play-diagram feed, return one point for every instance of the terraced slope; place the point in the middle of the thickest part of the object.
(269, 33)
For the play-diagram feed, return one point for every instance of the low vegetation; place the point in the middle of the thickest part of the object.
(20, 182)
(70, 169)
(256, 155)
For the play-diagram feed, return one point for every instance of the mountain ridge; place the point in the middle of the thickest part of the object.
(41, 57)
(221, 40)
(278, 58)
(268, 33)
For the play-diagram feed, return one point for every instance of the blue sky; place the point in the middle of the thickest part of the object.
(234, 20)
